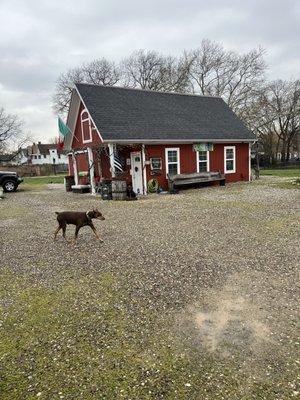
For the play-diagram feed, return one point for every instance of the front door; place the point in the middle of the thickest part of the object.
(137, 172)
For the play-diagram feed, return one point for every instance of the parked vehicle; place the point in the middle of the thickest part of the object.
(9, 181)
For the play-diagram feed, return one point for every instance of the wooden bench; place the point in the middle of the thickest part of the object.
(195, 178)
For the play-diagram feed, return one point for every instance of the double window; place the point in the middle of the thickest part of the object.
(202, 161)
(172, 161)
(86, 127)
(229, 159)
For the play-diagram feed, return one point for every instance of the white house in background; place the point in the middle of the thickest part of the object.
(22, 156)
(47, 154)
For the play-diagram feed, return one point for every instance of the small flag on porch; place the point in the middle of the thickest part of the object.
(119, 163)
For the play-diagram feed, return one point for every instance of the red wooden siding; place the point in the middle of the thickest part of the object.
(188, 161)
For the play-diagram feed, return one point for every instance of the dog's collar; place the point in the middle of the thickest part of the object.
(87, 214)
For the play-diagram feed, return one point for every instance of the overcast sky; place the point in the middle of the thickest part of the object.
(39, 39)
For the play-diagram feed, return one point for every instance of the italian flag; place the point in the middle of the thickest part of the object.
(64, 130)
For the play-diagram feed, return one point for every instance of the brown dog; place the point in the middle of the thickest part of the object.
(79, 219)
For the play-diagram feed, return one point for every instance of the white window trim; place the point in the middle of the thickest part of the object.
(198, 161)
(178, 158)
(90, 130)
(234, 160)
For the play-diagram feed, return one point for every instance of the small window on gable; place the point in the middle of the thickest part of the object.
(84, 115)
(86, 127)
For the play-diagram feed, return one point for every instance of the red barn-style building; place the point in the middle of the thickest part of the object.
(137, 135)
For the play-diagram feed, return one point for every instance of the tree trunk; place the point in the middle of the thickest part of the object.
(277, 148)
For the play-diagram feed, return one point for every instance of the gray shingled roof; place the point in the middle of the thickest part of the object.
(132, 114)
(44, 148)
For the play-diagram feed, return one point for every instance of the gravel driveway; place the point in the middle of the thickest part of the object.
(191, 296)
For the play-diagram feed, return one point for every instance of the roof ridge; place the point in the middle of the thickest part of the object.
(148, 90)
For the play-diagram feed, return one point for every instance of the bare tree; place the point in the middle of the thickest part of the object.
(236, 78)
(100, 72)
(279, 107)
(153, 71)
(208, 70)
(11, 129)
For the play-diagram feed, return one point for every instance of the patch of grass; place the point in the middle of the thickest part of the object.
(291, 184)
(281, 172)
(39, 182)
(43, 180)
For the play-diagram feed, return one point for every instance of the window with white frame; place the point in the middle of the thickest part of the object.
(172, 161)
(202, 161)
(86, 127)
(229, 159)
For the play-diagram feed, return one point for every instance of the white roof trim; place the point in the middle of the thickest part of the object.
(72, 118)
(89, 114)
(178, 141)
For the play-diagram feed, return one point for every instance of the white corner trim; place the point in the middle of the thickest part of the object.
(144, 170)
(91, 168)
(197, 160)
(112, 159)
(75, 169)
(234, 160)
(249, 172)
(166, 158)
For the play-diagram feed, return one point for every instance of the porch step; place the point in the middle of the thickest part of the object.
(81, 188)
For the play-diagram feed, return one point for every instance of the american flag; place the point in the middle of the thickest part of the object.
(119, 163)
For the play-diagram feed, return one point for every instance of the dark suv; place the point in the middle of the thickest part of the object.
(9, 181)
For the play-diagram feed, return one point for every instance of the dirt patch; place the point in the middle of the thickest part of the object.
(230, 321)
(227, 322)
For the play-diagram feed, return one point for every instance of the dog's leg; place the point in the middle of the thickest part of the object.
(95, 232)
(64, 232)
(76, 233)
(56, 232)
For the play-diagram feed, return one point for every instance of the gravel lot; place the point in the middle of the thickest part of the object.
(191, 296)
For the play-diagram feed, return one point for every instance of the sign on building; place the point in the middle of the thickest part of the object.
(203, 147)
